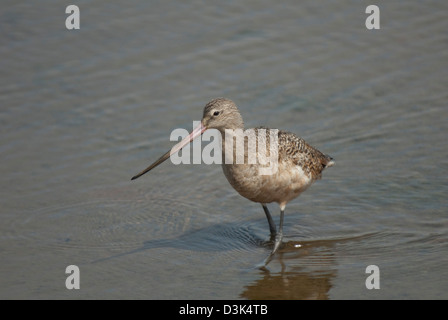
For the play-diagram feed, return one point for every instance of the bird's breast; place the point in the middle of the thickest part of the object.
(287, 183)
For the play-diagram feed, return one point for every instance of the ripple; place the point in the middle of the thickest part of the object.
(103, 223)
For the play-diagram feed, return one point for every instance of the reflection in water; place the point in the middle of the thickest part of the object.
(290, 285)
(306, 272)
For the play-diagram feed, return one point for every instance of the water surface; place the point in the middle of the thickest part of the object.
(83, 111)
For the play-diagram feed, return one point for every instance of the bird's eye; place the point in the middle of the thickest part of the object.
(216, 113)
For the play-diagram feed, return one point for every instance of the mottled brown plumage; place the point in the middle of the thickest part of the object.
(300, 153)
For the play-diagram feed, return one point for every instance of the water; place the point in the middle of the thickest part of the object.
(83, 111)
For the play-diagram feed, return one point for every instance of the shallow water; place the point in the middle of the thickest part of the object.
(82, 111)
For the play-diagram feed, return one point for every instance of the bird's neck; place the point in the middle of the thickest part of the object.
(232, 142)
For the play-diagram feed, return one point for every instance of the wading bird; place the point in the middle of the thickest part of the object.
(298, 166)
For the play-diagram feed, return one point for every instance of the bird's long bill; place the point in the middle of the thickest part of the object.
(199, 130)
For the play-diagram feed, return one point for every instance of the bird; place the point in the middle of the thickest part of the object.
(297, 166)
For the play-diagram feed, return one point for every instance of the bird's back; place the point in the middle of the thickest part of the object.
(292, 148)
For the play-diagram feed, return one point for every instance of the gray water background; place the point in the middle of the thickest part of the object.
(82, 111)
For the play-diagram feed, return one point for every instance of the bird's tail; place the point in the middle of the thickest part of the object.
(329, 161)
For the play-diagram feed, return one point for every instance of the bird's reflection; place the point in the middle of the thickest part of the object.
(290, 285)
(300, 271)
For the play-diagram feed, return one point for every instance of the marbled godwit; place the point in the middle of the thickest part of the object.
(299, 164)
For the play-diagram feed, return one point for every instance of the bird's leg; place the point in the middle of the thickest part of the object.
(272, 227)
(279, 235)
